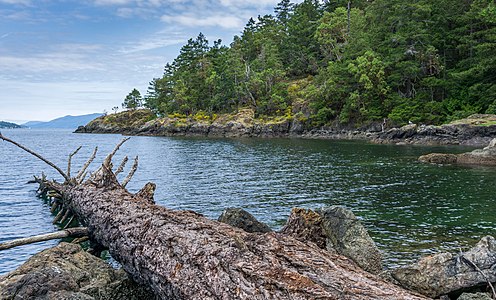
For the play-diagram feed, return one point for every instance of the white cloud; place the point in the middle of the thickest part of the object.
(44, 63)
(151, 44)
(227, 22)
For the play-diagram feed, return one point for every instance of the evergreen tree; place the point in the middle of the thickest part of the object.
(133, 100)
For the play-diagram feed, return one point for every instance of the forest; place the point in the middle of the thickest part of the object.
(342, 62)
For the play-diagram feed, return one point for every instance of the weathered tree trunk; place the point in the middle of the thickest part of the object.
(183, 255)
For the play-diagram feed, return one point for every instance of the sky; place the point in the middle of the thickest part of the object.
(74, 57)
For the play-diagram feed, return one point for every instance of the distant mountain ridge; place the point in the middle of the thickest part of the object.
(67, 122)
(4, 124)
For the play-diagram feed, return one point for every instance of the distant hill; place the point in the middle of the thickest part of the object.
(67, 122)
(9, 125)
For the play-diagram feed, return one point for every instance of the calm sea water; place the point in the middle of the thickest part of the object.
(410, 208)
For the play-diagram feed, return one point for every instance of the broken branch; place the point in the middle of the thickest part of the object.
(67, 178)
(70, 232)
(86, 165)
(69, 161)
(121, 166)
(131, 173)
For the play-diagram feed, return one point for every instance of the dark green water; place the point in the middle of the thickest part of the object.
(410, 208)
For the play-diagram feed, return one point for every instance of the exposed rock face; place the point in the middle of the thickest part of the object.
(485, 156)
(476, 130)
(444, 273)
(68, 272)
(346, 234)
(305, 225)
(240, 218)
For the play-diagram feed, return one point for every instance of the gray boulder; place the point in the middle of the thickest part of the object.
(238, 217)
(444, 273)
(346, 234)
(68, 272)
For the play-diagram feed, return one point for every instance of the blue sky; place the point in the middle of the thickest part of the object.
(69, 57)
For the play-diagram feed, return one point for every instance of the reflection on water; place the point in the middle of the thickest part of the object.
(409, 208)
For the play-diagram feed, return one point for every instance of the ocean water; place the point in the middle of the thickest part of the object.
(410, 209)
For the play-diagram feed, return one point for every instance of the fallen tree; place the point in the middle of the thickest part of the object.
(183, 255)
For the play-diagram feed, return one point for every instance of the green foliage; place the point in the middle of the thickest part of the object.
(342, 61)
(133, 100)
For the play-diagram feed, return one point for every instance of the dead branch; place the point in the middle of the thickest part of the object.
(59, 215)
(473, 265)
(85, 166)
(69, 222)
(70, 160)
(70, 232)
(121, 166)
(131, 173)
(67, 178)
(108, 160)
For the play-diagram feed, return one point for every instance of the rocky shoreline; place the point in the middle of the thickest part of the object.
(66, 271)
(476, 130)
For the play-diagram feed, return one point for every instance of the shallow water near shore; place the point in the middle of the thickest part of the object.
(410, 208)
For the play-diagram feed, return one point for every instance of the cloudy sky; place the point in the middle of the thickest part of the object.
(73, 57)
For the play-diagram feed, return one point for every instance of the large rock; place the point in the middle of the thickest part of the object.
(445, 273)
(68, 272)
(240, 218)
(346, 234)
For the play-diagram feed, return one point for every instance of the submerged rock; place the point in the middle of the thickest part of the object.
(445, 273)
(346, 234)
(238, 217)
(439, 158)
(67, 272)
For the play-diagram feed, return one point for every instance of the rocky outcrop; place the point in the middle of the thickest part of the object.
(445, 273)
(476, 130)
(346, 235)
(485, 156)
(67, 272)
(333, 228)
(240, 218)
(123, 122)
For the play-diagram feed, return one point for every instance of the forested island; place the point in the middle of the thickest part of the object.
(341, 62)
(4, 124)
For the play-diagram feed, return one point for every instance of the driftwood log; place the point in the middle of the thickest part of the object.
(183, 255)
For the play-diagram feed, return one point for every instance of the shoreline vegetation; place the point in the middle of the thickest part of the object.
(339, 64)
(475, 130)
